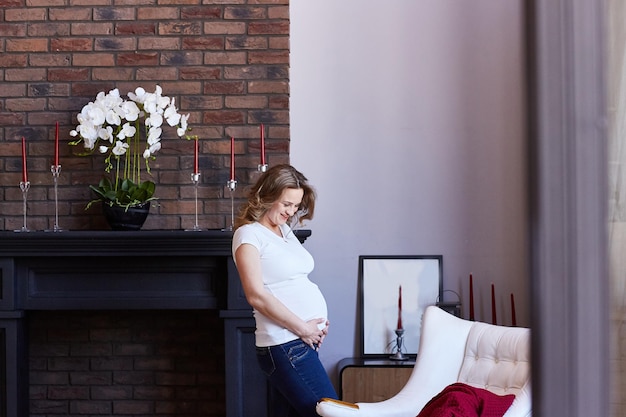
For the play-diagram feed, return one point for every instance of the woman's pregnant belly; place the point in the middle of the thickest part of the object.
(302, 297)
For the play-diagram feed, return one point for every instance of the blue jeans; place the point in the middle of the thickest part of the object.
(297, 379)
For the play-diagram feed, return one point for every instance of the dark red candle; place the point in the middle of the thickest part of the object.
(513, 318)
(24, 170)
(232, 158)
(196, 147)
(262, 144)
(471, 298)
(494, 320)
(399, 326)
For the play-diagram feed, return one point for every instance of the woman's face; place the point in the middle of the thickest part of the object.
(285, 207)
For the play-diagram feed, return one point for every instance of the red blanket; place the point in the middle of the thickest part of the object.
(462, 400)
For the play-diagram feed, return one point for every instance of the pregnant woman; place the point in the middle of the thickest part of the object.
(289, 310)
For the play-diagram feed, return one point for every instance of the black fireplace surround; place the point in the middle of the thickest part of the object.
(107, 270)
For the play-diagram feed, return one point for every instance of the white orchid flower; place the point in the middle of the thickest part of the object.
(152, 149)
(130, 111)
(138, 96)
(127, 131)
(95, 114)
(103, 149)
(183, 125)
(106, 133)
(89, 133)
(112, 99)
(113, 118)
(162, 103)
(89, 143)
(109, 106)
(154, 135)
(171, 115)
(120, 148)
(155, 147)
(155, 120)
(150, 104)
(100, 96)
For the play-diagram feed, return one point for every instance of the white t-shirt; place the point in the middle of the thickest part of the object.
(286, 265)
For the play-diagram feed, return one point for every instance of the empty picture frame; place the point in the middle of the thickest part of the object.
(420, 278)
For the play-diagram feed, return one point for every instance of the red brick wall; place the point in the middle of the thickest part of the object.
(226, 62)
(126, 363)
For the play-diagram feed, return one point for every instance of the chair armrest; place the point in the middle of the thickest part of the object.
(328, 407)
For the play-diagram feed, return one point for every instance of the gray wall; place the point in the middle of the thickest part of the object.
(409, 118)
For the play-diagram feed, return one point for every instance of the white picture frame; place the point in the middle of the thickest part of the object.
(419, 278)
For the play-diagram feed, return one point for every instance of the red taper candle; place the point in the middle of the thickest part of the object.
(262, 144)
(471, 298)
(513, 318)
(24, 170)
(232, 158)
(196, 165)
(56, 145)
(494, 320)
(399, 326)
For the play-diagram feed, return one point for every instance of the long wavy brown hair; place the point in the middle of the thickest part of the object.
(268, 189)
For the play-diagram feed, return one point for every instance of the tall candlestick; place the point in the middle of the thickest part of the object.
(24, 170)
(232, 184)
(471, 298)
(56, 145)
(513, 318)
(232, 158)
(399, 325)
(262, 144)
(494, 320)
(196, 169)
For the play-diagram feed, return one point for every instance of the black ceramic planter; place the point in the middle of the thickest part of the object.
(122, 218)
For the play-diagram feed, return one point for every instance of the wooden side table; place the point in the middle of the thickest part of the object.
(372, 380)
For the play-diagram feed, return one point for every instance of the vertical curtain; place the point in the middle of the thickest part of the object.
(616, 56)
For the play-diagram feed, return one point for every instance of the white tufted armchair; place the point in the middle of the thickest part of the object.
(496, 358)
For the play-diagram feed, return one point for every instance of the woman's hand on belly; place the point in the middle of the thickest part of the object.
(323, 326)
(314, 336)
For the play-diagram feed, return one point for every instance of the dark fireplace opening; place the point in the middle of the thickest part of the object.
(126, 363)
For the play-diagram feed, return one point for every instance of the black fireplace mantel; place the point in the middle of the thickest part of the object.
(119, 270)
(109, 270)
(107, 243)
